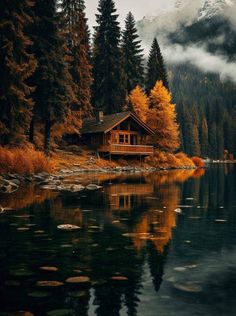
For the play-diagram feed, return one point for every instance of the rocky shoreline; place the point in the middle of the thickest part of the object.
(10, 183)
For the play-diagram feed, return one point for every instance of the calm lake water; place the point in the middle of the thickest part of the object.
(141, 256)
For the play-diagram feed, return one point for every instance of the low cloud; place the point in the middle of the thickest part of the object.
(199, 57)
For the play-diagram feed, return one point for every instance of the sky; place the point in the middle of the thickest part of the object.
(139, 8)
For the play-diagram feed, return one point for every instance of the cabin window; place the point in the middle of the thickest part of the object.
(123, 138)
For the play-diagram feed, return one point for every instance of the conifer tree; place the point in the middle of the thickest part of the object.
(51, 78)
(204, 137)
(76, 34)
(156, 70)
(138, 101)
(108, 86)
(17, 65)
(161, 118)
(132, 54)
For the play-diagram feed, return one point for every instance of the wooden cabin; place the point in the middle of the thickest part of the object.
(117, 134)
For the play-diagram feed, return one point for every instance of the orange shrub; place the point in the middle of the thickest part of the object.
(25, 161)
(161, 159)
(199, 163)
(184, 159)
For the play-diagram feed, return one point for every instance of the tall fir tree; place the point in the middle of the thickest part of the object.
(76, 34)
(132, 54)
(52, 87)
(156, 69)
(204, 137)
(17, 65)
(108, 86)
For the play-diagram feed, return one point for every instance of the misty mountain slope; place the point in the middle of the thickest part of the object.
(198, 41)
(218, 36)
(206, 23)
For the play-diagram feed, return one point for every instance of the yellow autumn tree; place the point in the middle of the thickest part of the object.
(139, 102)
(161, 117)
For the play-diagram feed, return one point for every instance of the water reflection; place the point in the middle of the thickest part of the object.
(137, 251)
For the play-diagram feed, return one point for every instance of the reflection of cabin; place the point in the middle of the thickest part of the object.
(123, 196)
(117, 134)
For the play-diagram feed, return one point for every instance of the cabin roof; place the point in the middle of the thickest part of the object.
(92, 126)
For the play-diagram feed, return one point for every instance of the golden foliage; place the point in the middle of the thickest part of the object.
(24, 160)
(199, 163)
(162, 159)
(161, 117)
(139, 102)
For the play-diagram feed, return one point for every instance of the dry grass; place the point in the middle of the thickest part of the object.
(23, 161)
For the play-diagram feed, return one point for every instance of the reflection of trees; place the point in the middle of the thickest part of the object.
(156, 224)
(25, 197)
(100, 249)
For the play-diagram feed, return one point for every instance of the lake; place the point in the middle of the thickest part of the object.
(148, 244)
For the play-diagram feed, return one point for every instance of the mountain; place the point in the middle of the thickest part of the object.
(210, 23)
(212, 8)
(198, 41)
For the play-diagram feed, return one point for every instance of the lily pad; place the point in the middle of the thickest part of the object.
(23, 229)
(38, 294)
(49, 269)
(49, 283)
(119, 278)
(60, 312)
(21, 273)
(78, 294)
(79, 279)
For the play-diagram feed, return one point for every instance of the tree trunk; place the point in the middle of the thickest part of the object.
(47, 135)
(31, 130)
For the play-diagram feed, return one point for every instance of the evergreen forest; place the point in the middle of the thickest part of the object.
(55, 72)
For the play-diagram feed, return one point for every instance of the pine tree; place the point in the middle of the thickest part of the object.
(17, 65)
(132, 54)
(108, 86)
(51, 77)
(76, 34)
(156, 70)
(138, 101)
(161, 118)
(204, 138)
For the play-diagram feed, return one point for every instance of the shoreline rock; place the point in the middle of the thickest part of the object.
(10, 183)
